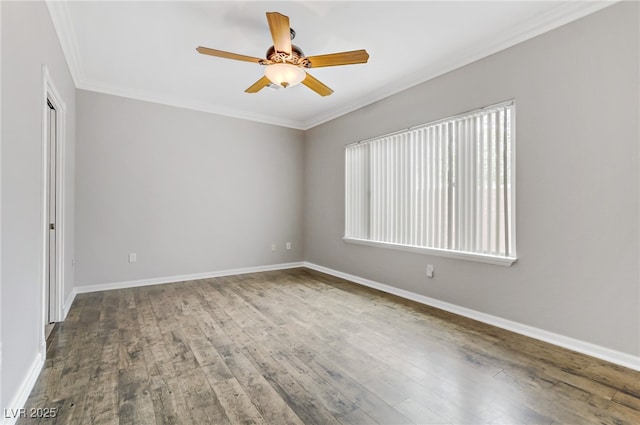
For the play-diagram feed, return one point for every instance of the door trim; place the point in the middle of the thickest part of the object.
(51, 93)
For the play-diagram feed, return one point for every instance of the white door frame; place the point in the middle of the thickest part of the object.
(50, 93)
(1, 400)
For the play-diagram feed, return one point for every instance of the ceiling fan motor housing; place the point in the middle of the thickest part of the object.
(296, 58)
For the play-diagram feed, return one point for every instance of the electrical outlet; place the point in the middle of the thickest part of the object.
(133, 257)
(273, 247)
(429, 270)
(288, 246)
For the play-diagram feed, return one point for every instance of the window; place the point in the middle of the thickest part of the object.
(445, 188)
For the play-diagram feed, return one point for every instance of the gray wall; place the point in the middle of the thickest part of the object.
(188, 192)
(28, 41)
(576, 90)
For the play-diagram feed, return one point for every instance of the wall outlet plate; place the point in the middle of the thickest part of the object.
(429, 270)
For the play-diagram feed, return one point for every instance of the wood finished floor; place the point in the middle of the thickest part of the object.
(300, 347)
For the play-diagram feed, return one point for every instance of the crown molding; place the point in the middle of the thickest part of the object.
(560, 15)
(162, 99)
(62, 22)
(552, 19)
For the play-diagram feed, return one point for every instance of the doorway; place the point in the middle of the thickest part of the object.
(52, 208)
(50, 267)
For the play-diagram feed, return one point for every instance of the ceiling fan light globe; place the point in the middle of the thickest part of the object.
(284, 74)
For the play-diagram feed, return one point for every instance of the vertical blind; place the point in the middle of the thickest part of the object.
(446, 185)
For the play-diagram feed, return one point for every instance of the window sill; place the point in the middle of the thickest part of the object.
(481, 258)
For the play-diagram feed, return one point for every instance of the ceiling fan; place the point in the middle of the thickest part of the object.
(285, 63)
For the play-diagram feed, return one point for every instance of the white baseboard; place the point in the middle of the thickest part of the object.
(68, 302)
(1, 404)
(181, 278)
(607, 354)
(10, 412)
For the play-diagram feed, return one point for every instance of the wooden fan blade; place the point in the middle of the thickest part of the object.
(335, 59)
(258, 85)
(227, 55)
(280, 31)
(316, 85)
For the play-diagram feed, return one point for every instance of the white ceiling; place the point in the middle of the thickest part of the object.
(146, 50)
